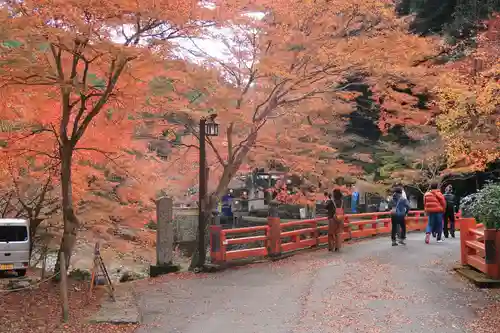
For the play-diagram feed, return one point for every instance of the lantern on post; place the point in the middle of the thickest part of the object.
(208, 127)
(211, 127)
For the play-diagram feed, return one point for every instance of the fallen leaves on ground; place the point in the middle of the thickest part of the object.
(39, 311)
(488, 319)
(347, 304)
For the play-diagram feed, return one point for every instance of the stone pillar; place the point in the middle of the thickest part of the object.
(164, 238)
(164, 231)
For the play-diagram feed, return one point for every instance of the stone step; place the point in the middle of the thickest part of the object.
(124, 310)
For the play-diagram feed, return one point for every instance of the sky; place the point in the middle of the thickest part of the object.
(212, 47)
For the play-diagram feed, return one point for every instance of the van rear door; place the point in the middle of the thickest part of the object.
(14, 246)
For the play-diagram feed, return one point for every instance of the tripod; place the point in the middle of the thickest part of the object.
(99, 270)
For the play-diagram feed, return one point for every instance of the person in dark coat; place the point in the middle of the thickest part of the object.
(335, 209)
(399, 209)
(449, 214)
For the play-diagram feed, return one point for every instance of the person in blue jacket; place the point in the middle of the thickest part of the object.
(226, 205)
(399, 207)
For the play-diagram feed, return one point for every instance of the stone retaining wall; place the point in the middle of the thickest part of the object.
(185, 224)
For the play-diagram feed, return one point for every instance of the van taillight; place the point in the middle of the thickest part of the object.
(25, 264)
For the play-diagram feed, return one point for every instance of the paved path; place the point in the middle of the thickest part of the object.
(369, 287)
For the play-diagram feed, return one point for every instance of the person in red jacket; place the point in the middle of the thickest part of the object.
(434, 206)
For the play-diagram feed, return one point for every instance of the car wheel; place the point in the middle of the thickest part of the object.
(21, 272)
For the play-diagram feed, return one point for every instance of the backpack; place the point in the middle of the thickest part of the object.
(339, 211)
(399, 210)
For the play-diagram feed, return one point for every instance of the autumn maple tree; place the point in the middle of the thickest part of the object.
(28, 191)
(279, 79)
(285, 72)
(73, 72)
(469, 101)
(423, 165)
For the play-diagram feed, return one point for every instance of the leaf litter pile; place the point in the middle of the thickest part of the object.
(488, 318)
(355, 299)
(39, 310)
(346, 304)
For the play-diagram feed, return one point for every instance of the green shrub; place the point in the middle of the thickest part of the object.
(151, 225)
(80, 275)
(486, 206)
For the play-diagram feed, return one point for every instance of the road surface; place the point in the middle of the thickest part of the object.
(369, 287)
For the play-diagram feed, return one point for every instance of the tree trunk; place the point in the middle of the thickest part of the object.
(196, 254)
(69, 218)
(34, 224)
(212, 202)
(229, 171)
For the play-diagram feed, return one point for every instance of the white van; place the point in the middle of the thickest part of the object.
(14, 245)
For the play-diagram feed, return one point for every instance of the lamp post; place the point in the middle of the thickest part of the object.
(208, 127)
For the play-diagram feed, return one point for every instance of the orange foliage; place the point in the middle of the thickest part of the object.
(74, 75)
(469, 101)
(279, 82)
(278, 87)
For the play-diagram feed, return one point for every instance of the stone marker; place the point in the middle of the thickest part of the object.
(164, 238)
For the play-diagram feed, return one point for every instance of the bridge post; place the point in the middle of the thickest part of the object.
(273, 221)
(465, 226)
(492, 259)
(216, 245)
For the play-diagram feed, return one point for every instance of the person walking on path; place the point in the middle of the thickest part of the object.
(311, 202)
(335, 210)
(399, 209)
(449, 214)
(434, 207)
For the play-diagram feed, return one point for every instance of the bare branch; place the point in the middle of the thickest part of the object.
(106, 154)
(229, 135)
(216, 151)
(116, 69)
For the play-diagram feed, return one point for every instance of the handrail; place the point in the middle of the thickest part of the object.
(477, 232)
(278, 237)
(477, 248)
(245, 229)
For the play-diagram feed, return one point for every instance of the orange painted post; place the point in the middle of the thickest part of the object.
(420, 219)
(216, 244)
(409, 225)
(274, 236)
(412, 222)
(223, 245)
(346, 235)
(315, 233)
(386, 226)
(375, 223)
(491, 255)
(423, 220)
(274, 223)
(465, 235)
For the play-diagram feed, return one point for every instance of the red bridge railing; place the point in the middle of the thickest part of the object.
(479, 248)
(277, 238)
